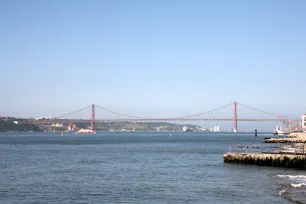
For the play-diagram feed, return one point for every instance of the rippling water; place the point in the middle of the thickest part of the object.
(137, 168)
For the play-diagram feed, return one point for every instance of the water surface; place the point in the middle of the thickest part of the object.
(137, 168)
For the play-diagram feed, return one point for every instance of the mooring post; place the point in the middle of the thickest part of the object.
(255, 132)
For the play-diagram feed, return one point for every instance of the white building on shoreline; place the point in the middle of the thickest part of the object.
(217, 129)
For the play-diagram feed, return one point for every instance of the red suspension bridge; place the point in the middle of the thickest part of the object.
(194, 117)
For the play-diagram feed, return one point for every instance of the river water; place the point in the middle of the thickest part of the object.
(138, 168)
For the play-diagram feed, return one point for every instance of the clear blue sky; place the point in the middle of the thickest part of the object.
(152, 58)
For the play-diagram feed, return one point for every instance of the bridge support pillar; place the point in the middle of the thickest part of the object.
(235, 117)
(93, 117)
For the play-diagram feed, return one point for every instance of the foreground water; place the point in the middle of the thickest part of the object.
(138, 168)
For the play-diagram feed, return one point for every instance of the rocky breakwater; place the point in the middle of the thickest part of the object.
(276, 160)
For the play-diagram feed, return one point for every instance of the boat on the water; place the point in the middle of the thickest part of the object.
(279, 130)
(86, 131)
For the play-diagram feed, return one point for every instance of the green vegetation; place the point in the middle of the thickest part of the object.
(10, 126)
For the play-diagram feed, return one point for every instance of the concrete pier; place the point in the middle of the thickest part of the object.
(286, 140)
(262, 159)
(294, 137)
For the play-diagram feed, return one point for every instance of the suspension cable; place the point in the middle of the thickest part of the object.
(73, 112)
(122, 114)
(203, 113)
(255, 109)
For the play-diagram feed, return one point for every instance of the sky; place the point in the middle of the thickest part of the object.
(151, 58)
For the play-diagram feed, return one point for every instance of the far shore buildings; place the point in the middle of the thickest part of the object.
(71, 127)
(45, 118)
(217, 129)
(57, 125)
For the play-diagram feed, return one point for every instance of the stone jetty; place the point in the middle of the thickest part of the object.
(292, 138)
(291, 155)
(285, 140)
(263, 159)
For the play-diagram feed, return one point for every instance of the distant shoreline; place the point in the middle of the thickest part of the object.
(251, 133)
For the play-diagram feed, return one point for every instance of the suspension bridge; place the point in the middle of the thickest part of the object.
(273, 117)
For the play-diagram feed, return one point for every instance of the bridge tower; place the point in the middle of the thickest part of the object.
(235, 117)
(93, 117)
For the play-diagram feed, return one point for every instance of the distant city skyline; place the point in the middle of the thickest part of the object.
(152, 58)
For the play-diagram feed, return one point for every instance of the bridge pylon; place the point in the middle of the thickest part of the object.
(93, 117)
(235, 117)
